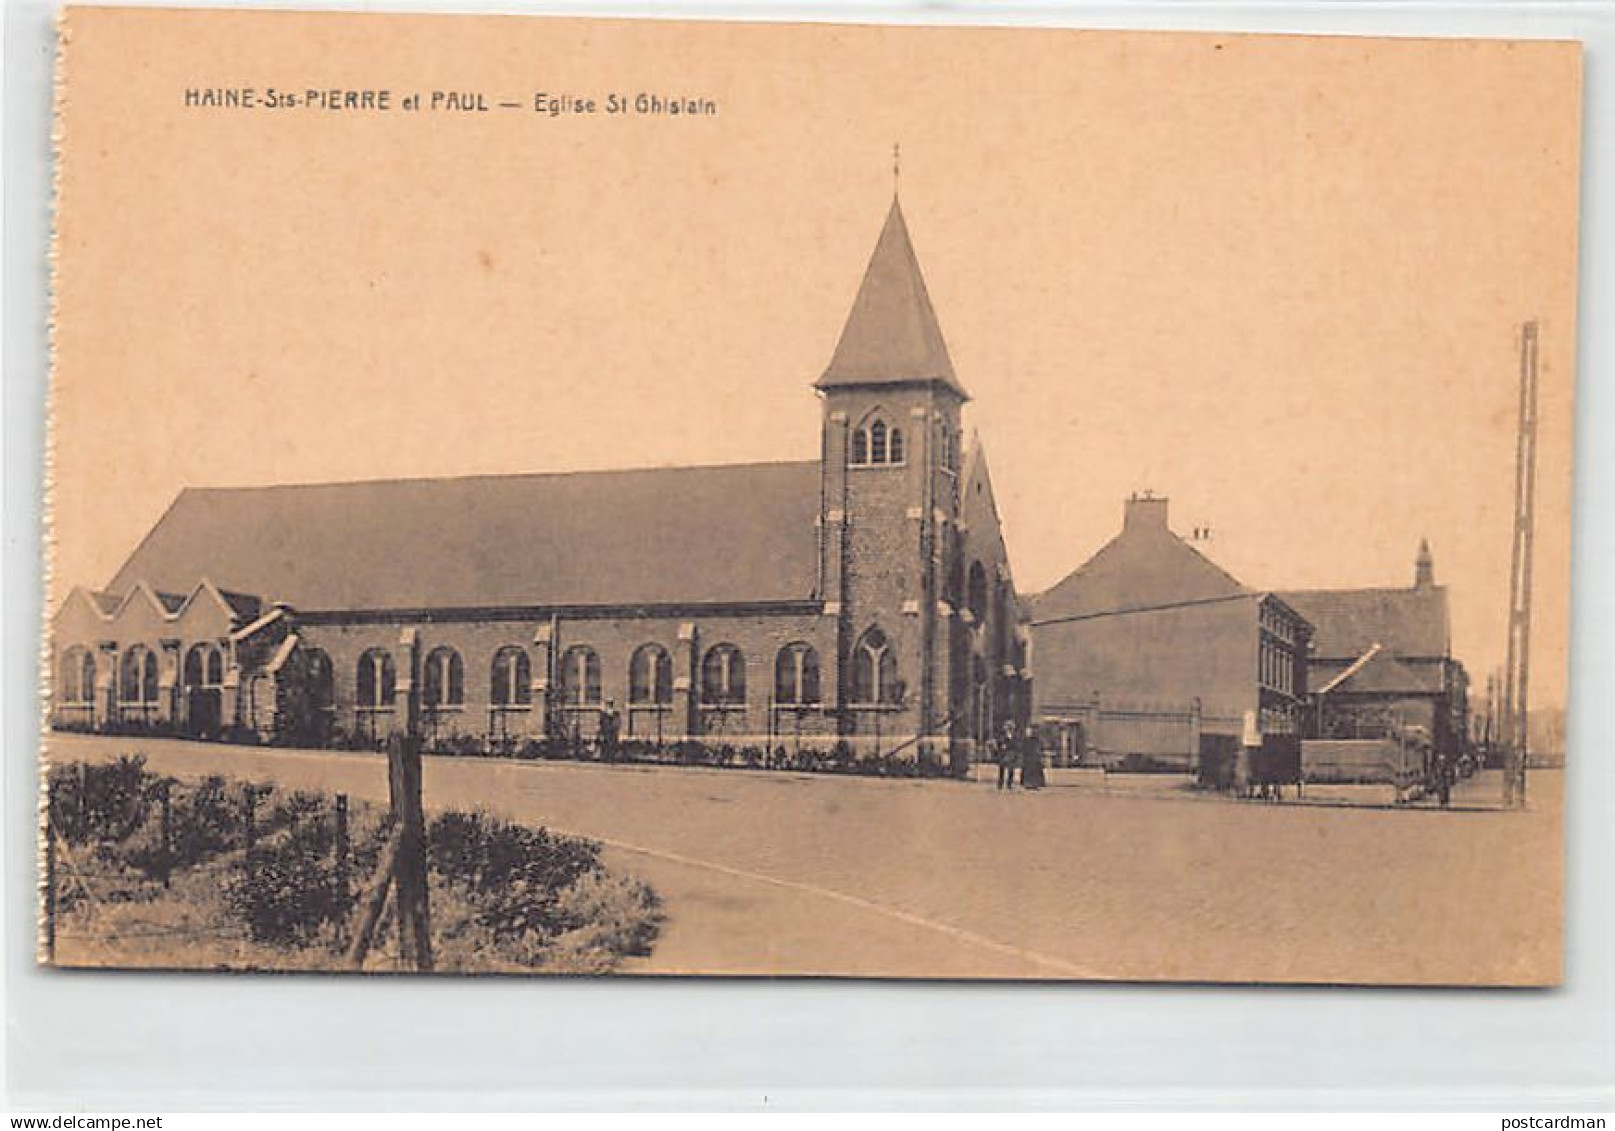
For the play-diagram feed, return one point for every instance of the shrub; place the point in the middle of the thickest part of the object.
(103, 803)
(204, 822)
(461, 745)
(511, 875)
(289, 892)
(607, 916)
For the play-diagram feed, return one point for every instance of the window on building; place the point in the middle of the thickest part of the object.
(511, 681)
(875, 443)
(320, 679)
(723, 677)
(650, 677)
(976, 595)
(796, 676)
(580, 677)
(78, 676)
(874, 671)
(443, 680)
(137, 681)
(378, 679)
(204, 666)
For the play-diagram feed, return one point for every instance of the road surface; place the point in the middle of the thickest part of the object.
(782, 873)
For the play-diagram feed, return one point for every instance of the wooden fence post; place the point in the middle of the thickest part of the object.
(368, 913)
(167, 827)
(343, 862)
(413, 904)
(249, 822)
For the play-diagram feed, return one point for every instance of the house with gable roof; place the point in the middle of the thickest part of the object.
(1382, 661)
(864, 596)
(1150, 646)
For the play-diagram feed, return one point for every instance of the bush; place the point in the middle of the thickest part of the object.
(290, 892)
(103, 804)
(204, 823)
(512, 876)
(609, 916)
(460, 745)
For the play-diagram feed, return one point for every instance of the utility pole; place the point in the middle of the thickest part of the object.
(1516, 714)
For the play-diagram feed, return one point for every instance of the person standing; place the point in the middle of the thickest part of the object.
(1004, 755)
(1031, 763)
(610, 727)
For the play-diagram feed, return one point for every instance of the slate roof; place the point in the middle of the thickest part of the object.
(1143, 567)
(892, 335)
(1348, 622)
(689, 535)
(1383, 673)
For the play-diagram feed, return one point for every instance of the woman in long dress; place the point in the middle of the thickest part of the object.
(1031, 763)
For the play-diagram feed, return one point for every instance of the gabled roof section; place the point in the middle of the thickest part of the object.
(690, 535)
(1146, 566)
(1352, 669)
(1407, 622)
(1380, 673)
(892, 335)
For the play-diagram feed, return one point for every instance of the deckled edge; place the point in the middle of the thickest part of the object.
(42, 949)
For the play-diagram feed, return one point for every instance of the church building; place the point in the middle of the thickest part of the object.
(864, 596)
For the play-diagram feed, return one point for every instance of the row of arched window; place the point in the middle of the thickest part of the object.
(650, 676)
(874, 442)
(137, 673)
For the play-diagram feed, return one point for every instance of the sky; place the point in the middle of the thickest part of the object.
(1279, 280)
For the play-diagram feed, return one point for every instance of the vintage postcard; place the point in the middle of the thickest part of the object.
(573, 496)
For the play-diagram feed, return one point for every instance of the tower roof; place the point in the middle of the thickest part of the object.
(891, 336)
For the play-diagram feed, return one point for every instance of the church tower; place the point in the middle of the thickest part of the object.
(889, 516)
(1424, 567)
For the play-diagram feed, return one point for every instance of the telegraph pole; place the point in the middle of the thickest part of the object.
(1516, 716)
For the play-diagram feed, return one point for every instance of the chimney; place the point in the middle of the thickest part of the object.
(1145, 512)
(1424, 567)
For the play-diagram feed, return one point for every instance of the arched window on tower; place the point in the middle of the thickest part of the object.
(874, 671)
(877, 444)
(976, 595)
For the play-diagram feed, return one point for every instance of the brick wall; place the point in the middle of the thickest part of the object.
(1177, 655)
(759, 637)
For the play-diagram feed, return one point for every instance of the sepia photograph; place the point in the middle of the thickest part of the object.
(552, 496)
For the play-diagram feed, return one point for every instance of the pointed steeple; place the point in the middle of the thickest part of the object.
(892, 336)
(1424, 566)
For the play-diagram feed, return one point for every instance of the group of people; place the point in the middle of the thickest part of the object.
(1018, 752)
